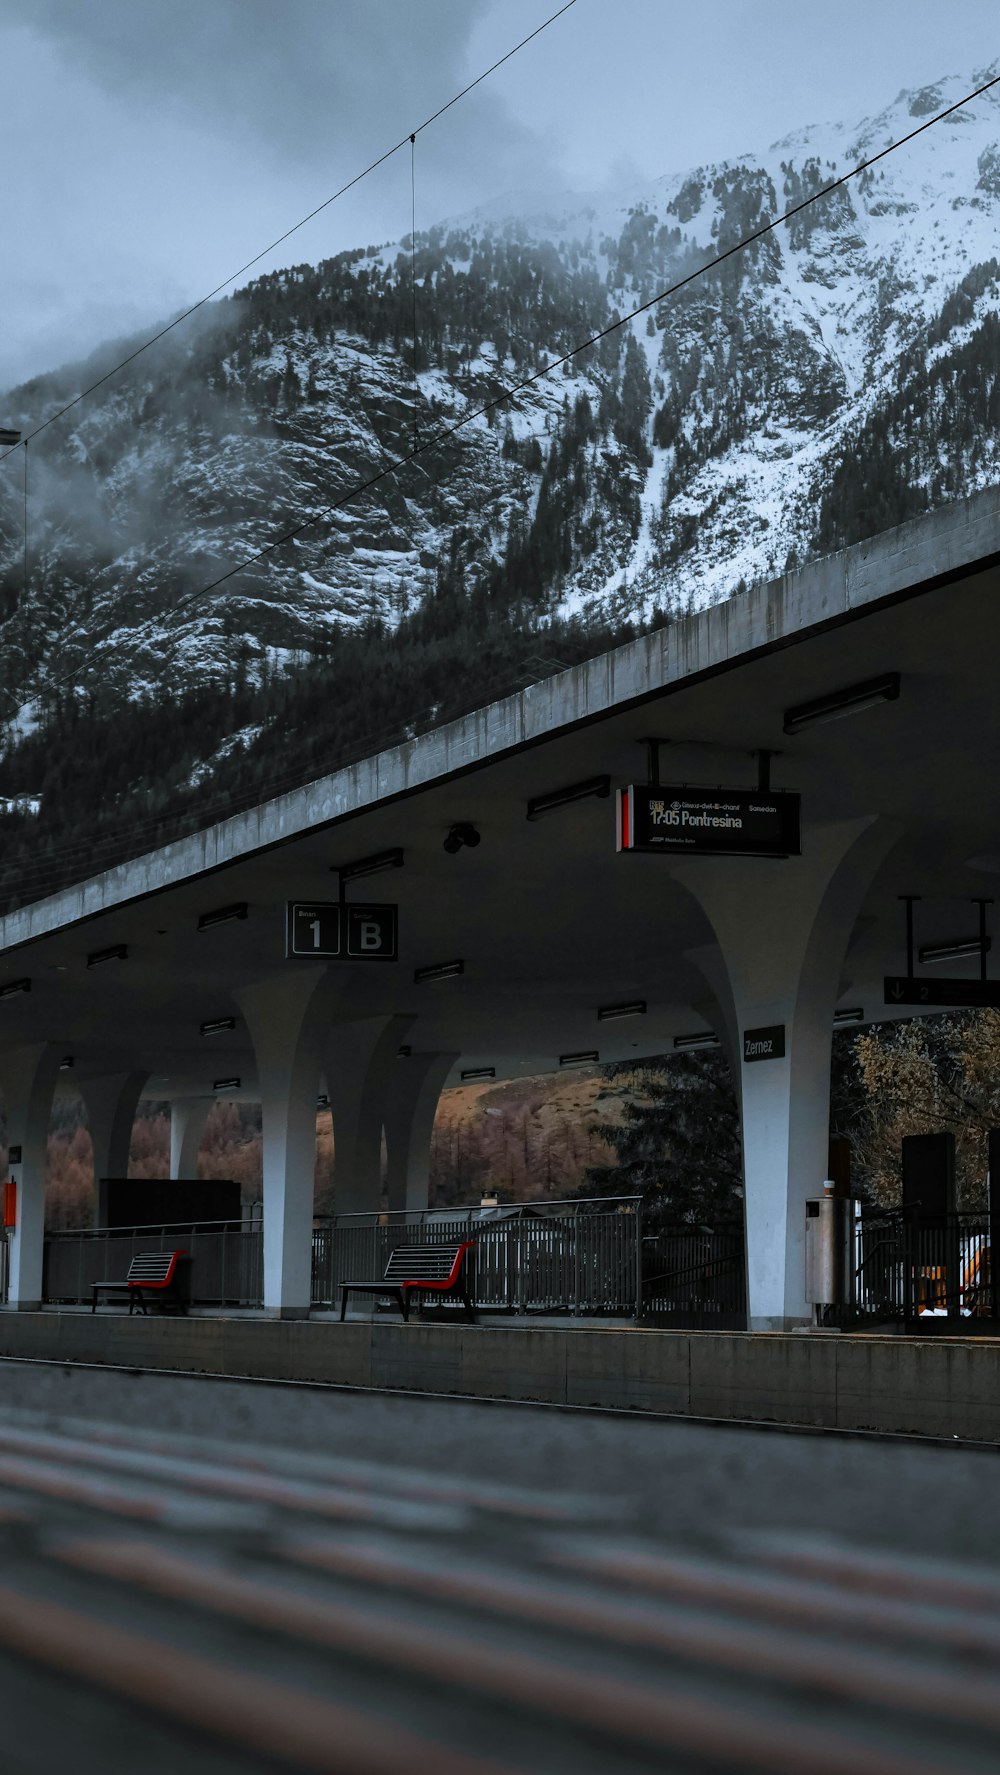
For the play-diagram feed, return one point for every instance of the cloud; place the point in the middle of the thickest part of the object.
(301, 80)
(161, 146)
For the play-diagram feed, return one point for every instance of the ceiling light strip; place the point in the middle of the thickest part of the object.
(546, 804)
(849, 701)
(635, 1008)
(117, 952)
(440, 970)
(222, 915)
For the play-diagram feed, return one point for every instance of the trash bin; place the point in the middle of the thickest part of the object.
(830, 1249)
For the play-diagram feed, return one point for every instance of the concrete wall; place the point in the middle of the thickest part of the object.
(932, 1386)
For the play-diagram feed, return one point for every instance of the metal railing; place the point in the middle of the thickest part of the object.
(583, 1257)
(578, 1257)
(909, 1266)
(695, 1277)
(226, 1267)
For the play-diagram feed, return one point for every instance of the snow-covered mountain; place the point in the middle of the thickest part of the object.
(816, 387)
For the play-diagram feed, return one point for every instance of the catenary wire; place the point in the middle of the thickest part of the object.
(413, 283)
(294, 229)
(537, 376)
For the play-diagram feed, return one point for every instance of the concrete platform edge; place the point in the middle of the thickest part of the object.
(897, 1385)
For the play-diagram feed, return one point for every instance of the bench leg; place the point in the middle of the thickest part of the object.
(344, 1292)
(469, 1308)
(404, 1305)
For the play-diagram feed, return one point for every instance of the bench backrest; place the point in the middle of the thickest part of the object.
(426, 1263)
(153, 1268)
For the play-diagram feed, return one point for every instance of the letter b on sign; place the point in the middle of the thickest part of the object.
(371, 933)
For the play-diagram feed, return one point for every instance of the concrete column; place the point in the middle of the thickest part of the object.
(28, 1077)
(359, 1061)
(411, 1105)
(782, 930)
(188, 1116)
(111, 1104)
(281, 1015)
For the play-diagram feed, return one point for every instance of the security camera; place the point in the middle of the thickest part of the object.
(462, 834)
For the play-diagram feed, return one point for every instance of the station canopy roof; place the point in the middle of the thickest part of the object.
(551, 923)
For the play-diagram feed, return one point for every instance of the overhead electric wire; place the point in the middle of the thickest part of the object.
(413, 282)
(443, 437)
(294, 229)
(537, 376)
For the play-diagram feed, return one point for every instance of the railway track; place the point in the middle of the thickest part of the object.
(202, 1606)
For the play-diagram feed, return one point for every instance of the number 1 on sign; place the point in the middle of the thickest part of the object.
(315, 928)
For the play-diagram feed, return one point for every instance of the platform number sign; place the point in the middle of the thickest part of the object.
(371, 932)
(328, 930)
(314, 931)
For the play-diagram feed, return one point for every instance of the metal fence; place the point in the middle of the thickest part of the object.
(912, 1267)
(578, 1257)
(226, 1267)
(587, 1258)
(695, 1278)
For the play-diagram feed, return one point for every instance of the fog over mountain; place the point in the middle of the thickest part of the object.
(821, 385)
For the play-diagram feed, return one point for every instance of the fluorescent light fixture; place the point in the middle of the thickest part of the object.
(706, 1039)
(838, 703)
(216, 1025)
(546, 804)
(404, 1052)
(440, 970)
(585, 1058)
(226, 1084)
(473, 1073)
(66, 1063)
(373, 865)
(956, 951)
(117, 952)
(222, 915)
(11, 988)
(855, 1014)
(323, 1101)
(607, 1013)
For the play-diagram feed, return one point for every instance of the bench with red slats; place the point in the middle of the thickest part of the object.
(438, 1269)
(151, 1272)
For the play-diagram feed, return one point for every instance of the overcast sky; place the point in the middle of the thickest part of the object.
(153, 146)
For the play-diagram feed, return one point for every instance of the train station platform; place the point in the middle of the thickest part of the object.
(934, 1386)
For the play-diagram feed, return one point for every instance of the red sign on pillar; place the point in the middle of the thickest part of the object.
(10, 1203)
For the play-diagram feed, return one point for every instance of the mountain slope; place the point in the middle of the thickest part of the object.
(818, 386)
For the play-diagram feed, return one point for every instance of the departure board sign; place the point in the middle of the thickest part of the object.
(904, 989)
(329, 930)
(669, 820)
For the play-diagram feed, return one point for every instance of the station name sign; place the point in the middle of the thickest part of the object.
(671, 820)
(764, 1044)
(329, 930)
